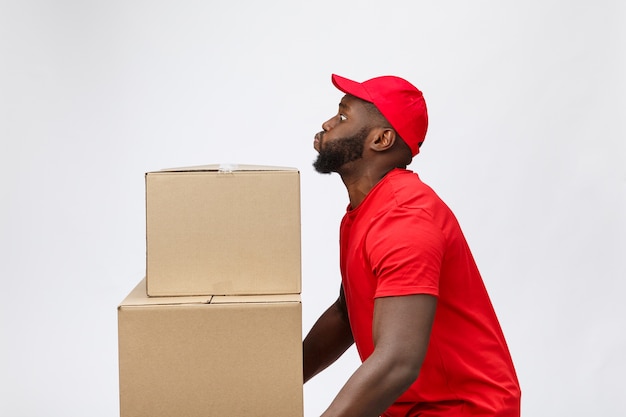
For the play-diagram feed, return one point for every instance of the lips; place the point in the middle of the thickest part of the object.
(317, 140)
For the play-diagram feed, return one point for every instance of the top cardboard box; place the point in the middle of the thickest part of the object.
(223, 230)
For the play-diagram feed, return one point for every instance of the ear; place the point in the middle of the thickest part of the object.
(383, 140)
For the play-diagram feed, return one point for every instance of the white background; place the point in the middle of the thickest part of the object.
(526, 144)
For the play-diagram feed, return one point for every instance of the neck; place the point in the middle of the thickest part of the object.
(360, 184)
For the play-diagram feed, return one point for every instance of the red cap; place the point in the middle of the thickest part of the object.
(398, 100)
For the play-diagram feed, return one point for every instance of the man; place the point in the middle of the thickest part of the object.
(411, 296)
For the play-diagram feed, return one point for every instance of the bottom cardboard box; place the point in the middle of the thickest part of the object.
(210, 356)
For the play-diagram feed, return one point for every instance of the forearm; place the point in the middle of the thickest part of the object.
(401, 331)
(376, 384)
(327, 340)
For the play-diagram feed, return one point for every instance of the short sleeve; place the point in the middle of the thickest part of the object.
(405, 250)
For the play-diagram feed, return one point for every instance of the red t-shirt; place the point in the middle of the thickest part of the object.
(401, 240)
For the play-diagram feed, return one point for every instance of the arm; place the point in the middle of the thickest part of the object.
(328, 339)
(401, 330)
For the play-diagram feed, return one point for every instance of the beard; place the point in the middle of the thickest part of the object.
(333, 155)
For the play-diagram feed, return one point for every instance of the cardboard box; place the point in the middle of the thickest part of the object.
(227, 232)
(210, 356)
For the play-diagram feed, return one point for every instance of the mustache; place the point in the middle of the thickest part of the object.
(320, 135)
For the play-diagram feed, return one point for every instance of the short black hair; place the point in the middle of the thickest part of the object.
(381, 121)
(373, 111)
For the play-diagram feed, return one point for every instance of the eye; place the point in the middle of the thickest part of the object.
(342, 117)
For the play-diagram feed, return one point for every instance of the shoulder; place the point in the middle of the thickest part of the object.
(404, 188)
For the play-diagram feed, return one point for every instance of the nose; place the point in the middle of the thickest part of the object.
(329, 124)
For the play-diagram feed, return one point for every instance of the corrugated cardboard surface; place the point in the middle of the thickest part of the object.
(186, 356)
(211, 232)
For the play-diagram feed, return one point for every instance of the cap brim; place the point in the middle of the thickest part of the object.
(351, 87)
